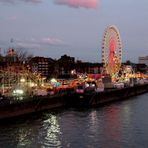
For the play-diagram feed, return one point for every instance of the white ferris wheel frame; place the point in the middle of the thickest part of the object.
(111, 31)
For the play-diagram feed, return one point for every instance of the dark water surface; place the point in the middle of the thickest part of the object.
(121, 124)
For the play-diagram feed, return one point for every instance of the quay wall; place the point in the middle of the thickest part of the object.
(31, 105)
(107, 96)
(70, 99)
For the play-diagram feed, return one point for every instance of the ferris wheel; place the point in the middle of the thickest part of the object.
(111, 50)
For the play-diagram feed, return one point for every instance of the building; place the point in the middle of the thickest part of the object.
(143, 60)
(86, 67)
(143, 68)
(42, 65)
(65, 64)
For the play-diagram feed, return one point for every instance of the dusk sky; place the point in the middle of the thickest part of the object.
(52, 28)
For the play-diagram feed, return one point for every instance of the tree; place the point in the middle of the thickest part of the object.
(23, 55)
(128, 62)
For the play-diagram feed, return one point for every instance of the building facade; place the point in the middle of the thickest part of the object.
(143, 60)
(42, 65)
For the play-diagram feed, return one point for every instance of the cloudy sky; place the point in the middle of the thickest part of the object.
(52, 28)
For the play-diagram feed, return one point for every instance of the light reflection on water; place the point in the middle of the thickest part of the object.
(51, 132)
(118, 125)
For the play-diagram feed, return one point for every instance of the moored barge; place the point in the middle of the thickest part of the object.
(109, 95)
(69, 98)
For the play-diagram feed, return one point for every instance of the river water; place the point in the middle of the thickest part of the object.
(121, 124)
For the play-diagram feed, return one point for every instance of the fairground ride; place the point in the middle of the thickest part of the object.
(112, 51)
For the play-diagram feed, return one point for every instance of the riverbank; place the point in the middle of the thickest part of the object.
(70, 98)
(107, 96)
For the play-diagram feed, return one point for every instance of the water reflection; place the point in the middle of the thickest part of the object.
(118, 125)
(112, 127)
(15, 136)
(93, 121)
(50, 132)
(33, 133)
(126, 112)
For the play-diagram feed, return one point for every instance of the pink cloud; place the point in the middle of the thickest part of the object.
(37, 43)
(52, 41)
(78, 3)
(16, 1)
